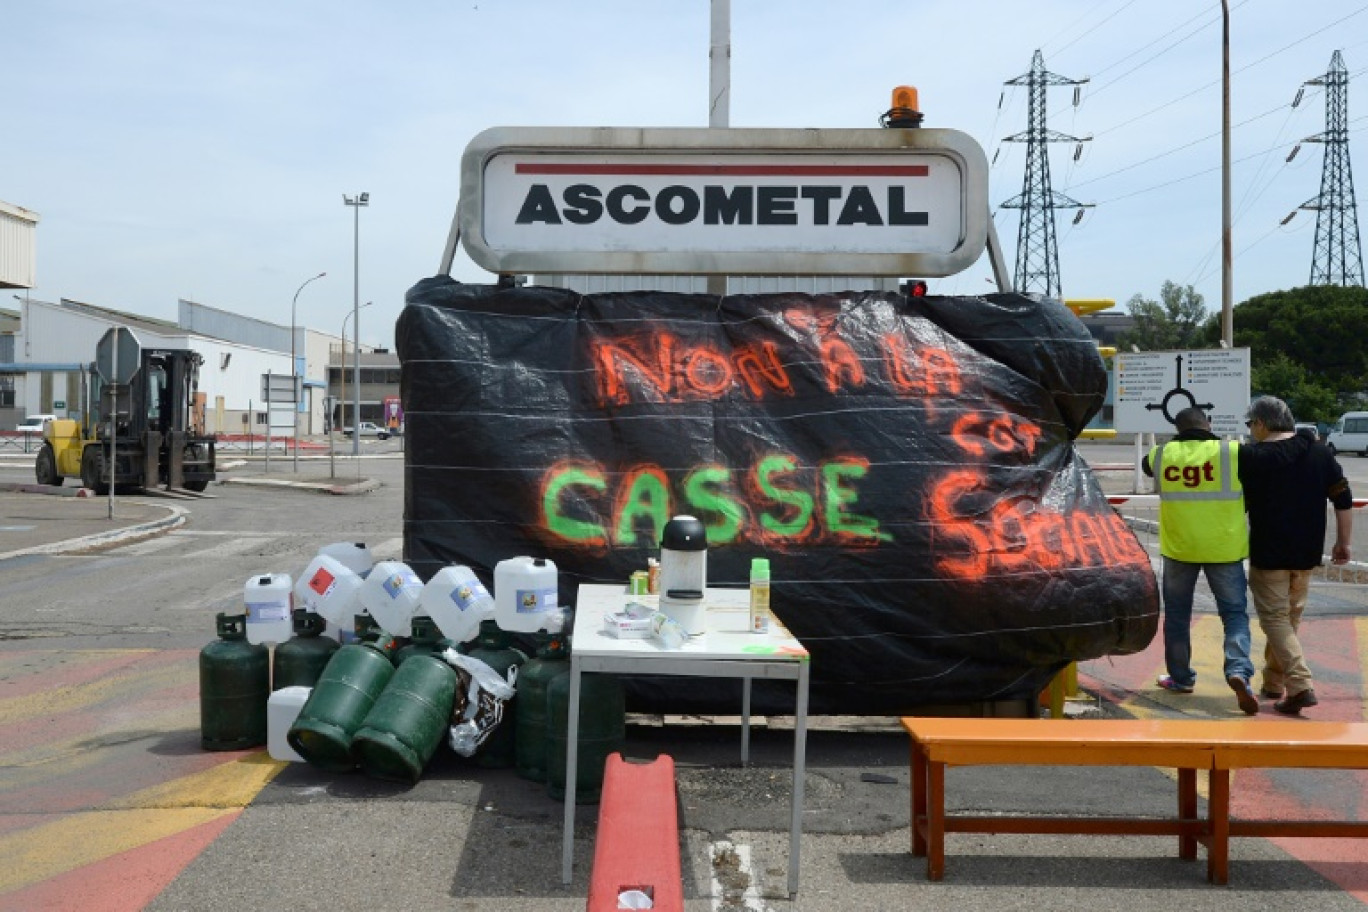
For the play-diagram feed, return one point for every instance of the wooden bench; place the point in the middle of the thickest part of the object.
(637, 845)
(1185, 745)
(1299, 744)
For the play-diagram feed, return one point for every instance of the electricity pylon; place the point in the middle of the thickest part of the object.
(1337, 258)
(1037, 260)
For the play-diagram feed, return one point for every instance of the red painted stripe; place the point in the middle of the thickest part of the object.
(125, 882)
(112, 778)
(625, 170)
(86, 668)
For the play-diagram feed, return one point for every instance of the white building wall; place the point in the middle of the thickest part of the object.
(18, 256)
(230, 378)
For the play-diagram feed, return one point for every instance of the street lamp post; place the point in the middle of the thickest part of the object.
(342, 391)
(356, 202)
(293, 364)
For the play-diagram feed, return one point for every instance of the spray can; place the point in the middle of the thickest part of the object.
(760, 595)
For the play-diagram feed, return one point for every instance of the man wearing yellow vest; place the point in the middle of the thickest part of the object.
(1202, 530)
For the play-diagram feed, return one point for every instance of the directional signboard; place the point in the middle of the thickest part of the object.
(1153, 387)
(280, 388)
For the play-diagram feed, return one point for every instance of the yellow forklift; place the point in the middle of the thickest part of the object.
(144, 417)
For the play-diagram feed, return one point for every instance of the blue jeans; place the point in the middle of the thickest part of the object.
(1227, 583)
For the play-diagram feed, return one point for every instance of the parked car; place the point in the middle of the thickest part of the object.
(33, 424)
(1350, 434)
(1308, 426)
(370, 429)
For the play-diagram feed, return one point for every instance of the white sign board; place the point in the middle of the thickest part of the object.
(1151, 388)
(899, 202)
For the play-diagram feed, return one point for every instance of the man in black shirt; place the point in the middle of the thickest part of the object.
(1287, 478)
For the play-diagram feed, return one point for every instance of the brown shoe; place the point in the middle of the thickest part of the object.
(1292, 705)
(1269, 693)
(1244, 696)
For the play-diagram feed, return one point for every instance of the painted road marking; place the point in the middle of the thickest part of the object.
(88, 781)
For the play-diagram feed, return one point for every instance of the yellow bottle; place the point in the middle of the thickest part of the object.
(760, 595)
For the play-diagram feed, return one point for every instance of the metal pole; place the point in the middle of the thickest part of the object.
(268, 423)
(113, 419)
(342, 380)
(342, 393)
(356, 202)
(356, 328)
(1227, 291)
(719, 92)
(332, 457)
(294, 369)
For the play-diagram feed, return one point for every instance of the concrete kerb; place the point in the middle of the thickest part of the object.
(104, 539)
(323, 487)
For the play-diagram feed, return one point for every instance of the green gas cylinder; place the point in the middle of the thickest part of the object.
(235, 685)
(530, 719)
(492, 646)
(300, 660)
(602, 729)
(350, 684)
(426, 640)
(405, 726)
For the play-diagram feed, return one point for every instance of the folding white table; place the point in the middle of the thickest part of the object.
(727, 649)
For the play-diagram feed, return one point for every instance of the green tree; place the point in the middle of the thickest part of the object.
(1309, 399)
(1319, 327)
(1176, 320)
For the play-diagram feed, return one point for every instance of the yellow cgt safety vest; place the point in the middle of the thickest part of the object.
(1201, 503)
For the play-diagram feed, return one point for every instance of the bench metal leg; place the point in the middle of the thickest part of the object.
(1218, 806)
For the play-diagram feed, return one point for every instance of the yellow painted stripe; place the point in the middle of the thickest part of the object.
(16, 664)
(76, 840)
(46, 851)
(1212, 697)
(56, 760)
(136, 678)
(227, 785)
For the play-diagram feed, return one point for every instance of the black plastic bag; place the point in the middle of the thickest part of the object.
(906, 464)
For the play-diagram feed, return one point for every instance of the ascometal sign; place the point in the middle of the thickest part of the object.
(772, 202)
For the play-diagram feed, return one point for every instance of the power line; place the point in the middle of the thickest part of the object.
(1187, 145)
(1147, 61)
(1179, 180)
(1114, 14)
(1217, 82)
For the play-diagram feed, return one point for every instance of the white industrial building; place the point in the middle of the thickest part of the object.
(45, 346)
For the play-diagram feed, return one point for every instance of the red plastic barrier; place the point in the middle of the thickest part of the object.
(637, 847)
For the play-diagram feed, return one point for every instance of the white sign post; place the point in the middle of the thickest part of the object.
(1151, 388)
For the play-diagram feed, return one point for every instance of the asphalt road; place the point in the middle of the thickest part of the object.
(107, 801)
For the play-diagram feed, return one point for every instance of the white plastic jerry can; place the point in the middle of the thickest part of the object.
(269, 600)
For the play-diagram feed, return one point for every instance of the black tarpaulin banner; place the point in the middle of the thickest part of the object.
(906, 464)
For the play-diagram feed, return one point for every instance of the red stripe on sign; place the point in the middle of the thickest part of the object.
(729, 170)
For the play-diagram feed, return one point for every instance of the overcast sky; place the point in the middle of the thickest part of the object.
(201, 150)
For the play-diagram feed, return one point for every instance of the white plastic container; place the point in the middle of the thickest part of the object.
(457, 601)
(525, 594)
(282, 708)
(355, 556)
(268, 598)
(390, 595)
(329, 588)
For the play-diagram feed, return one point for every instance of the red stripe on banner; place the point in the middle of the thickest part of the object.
(727, 170)
(125, 882)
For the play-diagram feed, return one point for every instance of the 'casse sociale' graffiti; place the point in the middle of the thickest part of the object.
(778, 503)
